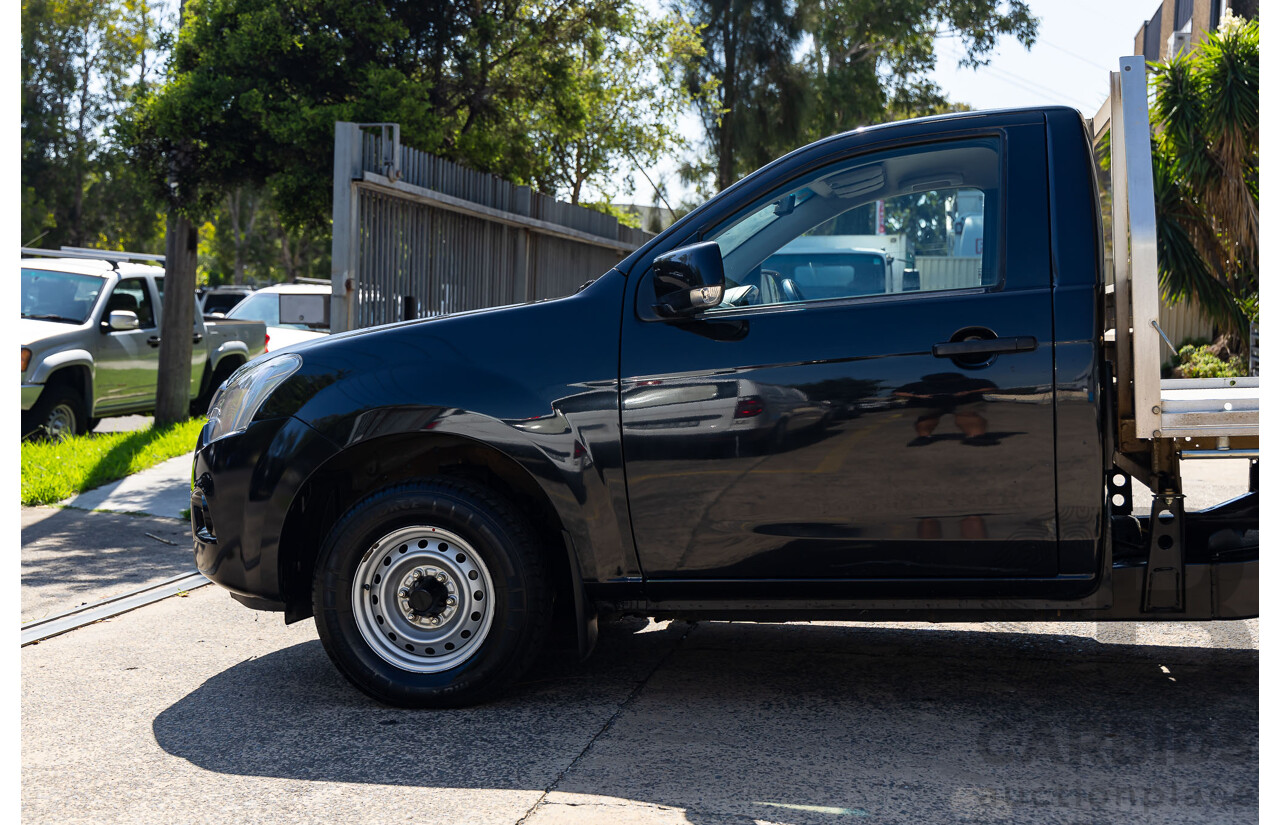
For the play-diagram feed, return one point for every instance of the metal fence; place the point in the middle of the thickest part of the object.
(415, 235)
(1253, 348)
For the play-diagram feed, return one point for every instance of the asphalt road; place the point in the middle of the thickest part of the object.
(195, 709)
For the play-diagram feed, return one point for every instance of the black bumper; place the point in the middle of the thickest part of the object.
(244, 487)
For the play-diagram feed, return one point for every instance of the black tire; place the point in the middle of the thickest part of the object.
(58, 412)
(515, 615)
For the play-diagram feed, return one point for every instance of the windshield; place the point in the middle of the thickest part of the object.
(59, 296)
(734, 236)
(265, 307)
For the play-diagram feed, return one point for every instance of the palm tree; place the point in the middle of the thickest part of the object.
(1205, 154)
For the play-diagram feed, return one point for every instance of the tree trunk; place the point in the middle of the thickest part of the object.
(729, 100)
(173, 384)
(241, 234)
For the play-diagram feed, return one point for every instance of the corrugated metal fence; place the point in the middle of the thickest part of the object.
(1184, 320)
(415, 235)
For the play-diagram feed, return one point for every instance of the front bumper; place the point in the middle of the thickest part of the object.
(244, 485)
(30, 394)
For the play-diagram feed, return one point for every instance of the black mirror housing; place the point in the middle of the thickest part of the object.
(688, 280)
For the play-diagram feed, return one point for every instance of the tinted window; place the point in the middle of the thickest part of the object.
(221, 301)
(913, 220)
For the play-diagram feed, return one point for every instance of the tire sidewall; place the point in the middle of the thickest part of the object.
(498, 544)
(51, 398)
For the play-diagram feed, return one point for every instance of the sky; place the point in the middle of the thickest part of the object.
(1079, 42)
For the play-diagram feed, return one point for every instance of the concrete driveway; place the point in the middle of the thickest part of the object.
(198, 710)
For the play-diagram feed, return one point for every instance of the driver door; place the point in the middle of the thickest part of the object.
(826, 425)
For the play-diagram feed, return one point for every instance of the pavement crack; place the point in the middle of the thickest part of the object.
(635, 691)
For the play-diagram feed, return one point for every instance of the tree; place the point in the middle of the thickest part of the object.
(1205, 157)
(256, 86)
(747, 60)
(620, 101)
(82, 64)
(792, 71)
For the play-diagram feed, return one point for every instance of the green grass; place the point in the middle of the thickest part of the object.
(52, 471)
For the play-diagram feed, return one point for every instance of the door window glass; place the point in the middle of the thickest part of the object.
(917, 220)
(132, 294)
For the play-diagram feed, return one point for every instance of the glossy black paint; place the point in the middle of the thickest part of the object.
(818, 496)
(844, 487)
(1078, 324)
(535, 383)
(244, 487)
(688, 279)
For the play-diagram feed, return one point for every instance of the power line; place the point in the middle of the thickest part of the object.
(1073, 54)
(1026, 84)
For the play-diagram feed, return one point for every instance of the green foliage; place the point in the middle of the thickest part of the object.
(247, 243)
(617, 105)
(550, 94)
(83, 63)
(1199, 362)
(55, 470)
(252, 93)
(1205, 155)
(786, 72)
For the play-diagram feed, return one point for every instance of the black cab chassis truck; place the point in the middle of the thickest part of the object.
(723, 428)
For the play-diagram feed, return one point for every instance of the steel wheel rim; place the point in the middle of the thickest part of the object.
(61, 422)
(432, 564)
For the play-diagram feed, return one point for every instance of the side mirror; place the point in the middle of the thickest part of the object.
(688, 280)
(122, 320)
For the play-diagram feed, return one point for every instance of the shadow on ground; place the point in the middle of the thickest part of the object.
(792, 723)
(72, 557)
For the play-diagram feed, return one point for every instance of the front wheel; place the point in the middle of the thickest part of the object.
(432, 594)
(59, 413)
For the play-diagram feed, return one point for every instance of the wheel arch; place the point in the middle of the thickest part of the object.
(234, 359)
(79, 377)
(371, 465)
(229, 349)
(74, 364)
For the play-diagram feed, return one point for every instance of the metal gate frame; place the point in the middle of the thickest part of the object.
(516, 253)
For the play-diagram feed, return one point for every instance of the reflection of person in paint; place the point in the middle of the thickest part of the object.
(951, 393)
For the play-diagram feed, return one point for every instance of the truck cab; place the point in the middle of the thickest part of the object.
(432, 492)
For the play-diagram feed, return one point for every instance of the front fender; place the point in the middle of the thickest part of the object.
(573, 463)
(52, 362)
(536, 382)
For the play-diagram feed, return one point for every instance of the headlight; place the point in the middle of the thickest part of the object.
(239, 399)
(26, 359)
